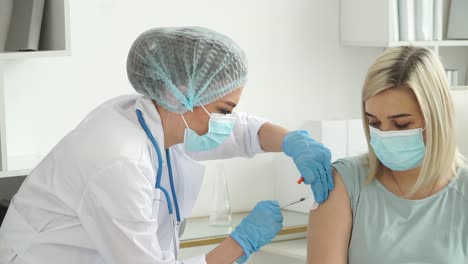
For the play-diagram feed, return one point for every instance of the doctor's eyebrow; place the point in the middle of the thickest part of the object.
(392, 116)
(232, 104)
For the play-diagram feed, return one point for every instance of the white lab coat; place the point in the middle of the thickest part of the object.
(92, 198)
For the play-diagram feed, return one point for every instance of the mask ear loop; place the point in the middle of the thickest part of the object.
(183, 118)
(206, 110)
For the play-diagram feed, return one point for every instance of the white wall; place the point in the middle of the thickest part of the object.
(298, 71)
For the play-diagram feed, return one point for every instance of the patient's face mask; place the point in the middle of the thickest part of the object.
(220, 127)
(398, 150)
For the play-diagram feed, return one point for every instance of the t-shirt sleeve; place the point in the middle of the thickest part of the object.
(353, 173)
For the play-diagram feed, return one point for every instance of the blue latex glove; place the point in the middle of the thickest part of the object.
(258, 228)
(313, 160)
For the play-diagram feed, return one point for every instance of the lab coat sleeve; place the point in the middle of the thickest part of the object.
(116, 211)
(243, 142)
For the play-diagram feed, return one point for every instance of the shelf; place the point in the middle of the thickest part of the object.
(54, 33)
(443, 43)
(14, 173)
(20, 165)
(33, 54)
(199, 232)
(452, 43)
(377, 25)
(459, 88)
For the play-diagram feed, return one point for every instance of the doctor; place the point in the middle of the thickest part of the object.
(118, 187)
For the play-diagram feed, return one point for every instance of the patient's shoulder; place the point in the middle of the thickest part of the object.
(461, 184)
(353, 172)
(356, 167)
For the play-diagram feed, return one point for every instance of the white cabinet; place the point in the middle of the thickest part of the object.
(371, 23)
(54, 41)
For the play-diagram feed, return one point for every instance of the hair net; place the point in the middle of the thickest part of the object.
(185, 67)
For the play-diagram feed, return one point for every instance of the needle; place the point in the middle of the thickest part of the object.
(294, 202)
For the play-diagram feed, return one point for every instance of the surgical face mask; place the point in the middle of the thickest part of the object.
(398, 150)
(220, 127)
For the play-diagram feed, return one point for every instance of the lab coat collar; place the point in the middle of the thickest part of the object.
(152, 119)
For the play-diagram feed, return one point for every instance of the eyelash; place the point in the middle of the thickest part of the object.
(402, 126)
(375, 124)
(224, 112)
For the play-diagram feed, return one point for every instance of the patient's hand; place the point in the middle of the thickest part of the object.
(329, 229)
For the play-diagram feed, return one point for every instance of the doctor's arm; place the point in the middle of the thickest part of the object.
(252, 135)
(227, 252)
(271, 137)
(329, 230)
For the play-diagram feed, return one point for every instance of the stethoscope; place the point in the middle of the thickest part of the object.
(178, 226)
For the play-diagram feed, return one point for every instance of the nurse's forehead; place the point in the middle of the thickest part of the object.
(232, 99)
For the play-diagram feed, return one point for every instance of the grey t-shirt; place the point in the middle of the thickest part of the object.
(390, 229)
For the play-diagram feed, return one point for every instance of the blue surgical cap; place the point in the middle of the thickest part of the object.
(184, 67)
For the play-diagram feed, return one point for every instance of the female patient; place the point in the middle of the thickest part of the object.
(405, 201)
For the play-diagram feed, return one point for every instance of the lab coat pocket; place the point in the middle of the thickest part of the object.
(159, 201)
(164, 230)
(160, 207)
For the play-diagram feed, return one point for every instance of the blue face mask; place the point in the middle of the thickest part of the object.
(220, 127)
(398, 150)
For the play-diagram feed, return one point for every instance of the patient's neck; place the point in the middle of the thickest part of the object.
(406, 180)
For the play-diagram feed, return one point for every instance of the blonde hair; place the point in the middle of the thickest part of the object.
(420, 70)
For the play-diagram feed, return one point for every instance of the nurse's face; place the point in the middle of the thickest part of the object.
(198, 119)
(394, 109)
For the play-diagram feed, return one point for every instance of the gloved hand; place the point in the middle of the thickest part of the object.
(313, 161)
(258, 228)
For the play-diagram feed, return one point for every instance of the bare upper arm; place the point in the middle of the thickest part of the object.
(329, 229)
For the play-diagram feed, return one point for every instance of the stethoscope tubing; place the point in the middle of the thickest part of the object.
(177, 221)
